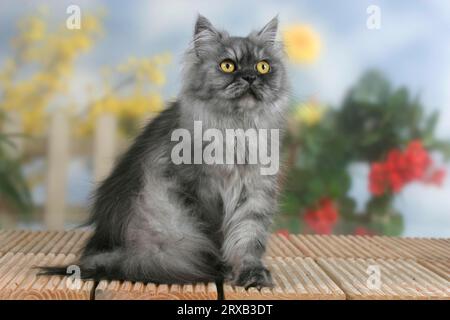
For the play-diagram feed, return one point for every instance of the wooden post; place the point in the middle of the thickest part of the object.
(104, 145)
(57, 163)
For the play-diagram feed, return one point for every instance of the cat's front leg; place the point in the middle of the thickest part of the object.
(245, 238)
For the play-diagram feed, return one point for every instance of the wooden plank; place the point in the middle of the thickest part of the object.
(415, 248)
(399, 279)
(66, 242)
(12, 240)
(294, 278)
(441, 268)
(410, 269)
(38, 239)
(333, 246)
(23, 242)
(47, 242)
(19, 280)
(5, 234)
(79, 245)
(117, 290)
(280, 246)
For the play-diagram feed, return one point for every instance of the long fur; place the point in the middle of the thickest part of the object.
(155, 221)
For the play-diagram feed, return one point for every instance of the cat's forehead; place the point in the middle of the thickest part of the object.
(239, 49)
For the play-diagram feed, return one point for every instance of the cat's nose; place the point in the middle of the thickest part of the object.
(249, 79)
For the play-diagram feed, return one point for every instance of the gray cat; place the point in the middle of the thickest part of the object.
(156, 221)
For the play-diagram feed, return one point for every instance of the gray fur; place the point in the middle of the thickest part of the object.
(161, 222)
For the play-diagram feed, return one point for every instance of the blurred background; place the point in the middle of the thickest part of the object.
(368, 140)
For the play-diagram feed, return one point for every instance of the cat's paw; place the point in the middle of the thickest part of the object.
(254, 276)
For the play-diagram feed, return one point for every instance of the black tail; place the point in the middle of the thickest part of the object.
(97, 274)
(51, 271)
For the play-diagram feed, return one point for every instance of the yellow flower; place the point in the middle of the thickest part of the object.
(309, 113)
(81, 41)
(91, 24)
(156, 103)
(302, 43)
(33, 29)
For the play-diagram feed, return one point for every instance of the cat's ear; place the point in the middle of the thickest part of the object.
(268, 33)
(205, 35)
(203, 25)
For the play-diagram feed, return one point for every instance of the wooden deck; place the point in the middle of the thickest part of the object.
(303, 267)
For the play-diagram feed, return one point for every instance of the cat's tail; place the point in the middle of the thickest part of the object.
(97, 267)
(52, 271)
(114, 266)
(97, 274)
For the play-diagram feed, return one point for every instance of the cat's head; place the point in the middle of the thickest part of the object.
(235, 71)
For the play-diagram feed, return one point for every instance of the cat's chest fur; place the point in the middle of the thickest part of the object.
(218, 187)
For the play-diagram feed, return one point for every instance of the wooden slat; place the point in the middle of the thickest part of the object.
(5, 234)
(303, 267)
(333, 246)
(280, 246)
(65, 245)
(47, 242)
(294, 278)
(442, 268)
(400, 279)
(415, 248)
(19, 280)
(66, 242)
(11, 240)
(79, 245)
(36, 240)
(116, 290)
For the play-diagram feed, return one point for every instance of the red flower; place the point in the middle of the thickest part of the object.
(437, 177)
(377, 179)
(396, 181)
(418, 160)
(400, 169)
(362, 231)
(323, 218)
(283, 232)
(396, 165)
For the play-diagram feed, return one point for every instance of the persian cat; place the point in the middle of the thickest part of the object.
(158, 221)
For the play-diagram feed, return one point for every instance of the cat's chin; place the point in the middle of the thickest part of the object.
(248, 100)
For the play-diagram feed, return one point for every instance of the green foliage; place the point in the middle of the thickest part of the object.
(14, 191)
(373, 118)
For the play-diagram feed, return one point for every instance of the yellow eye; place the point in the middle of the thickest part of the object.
(263, 67)
(227, 66)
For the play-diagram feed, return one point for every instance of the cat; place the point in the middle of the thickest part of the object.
(156, 221)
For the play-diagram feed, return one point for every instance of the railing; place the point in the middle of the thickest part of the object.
(58, 155)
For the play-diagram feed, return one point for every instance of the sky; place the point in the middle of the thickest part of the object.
(412, 48)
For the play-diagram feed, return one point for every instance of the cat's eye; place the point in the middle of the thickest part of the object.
(227, 66)
(263, 67)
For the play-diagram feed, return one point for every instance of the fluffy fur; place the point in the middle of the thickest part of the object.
(160, 222)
